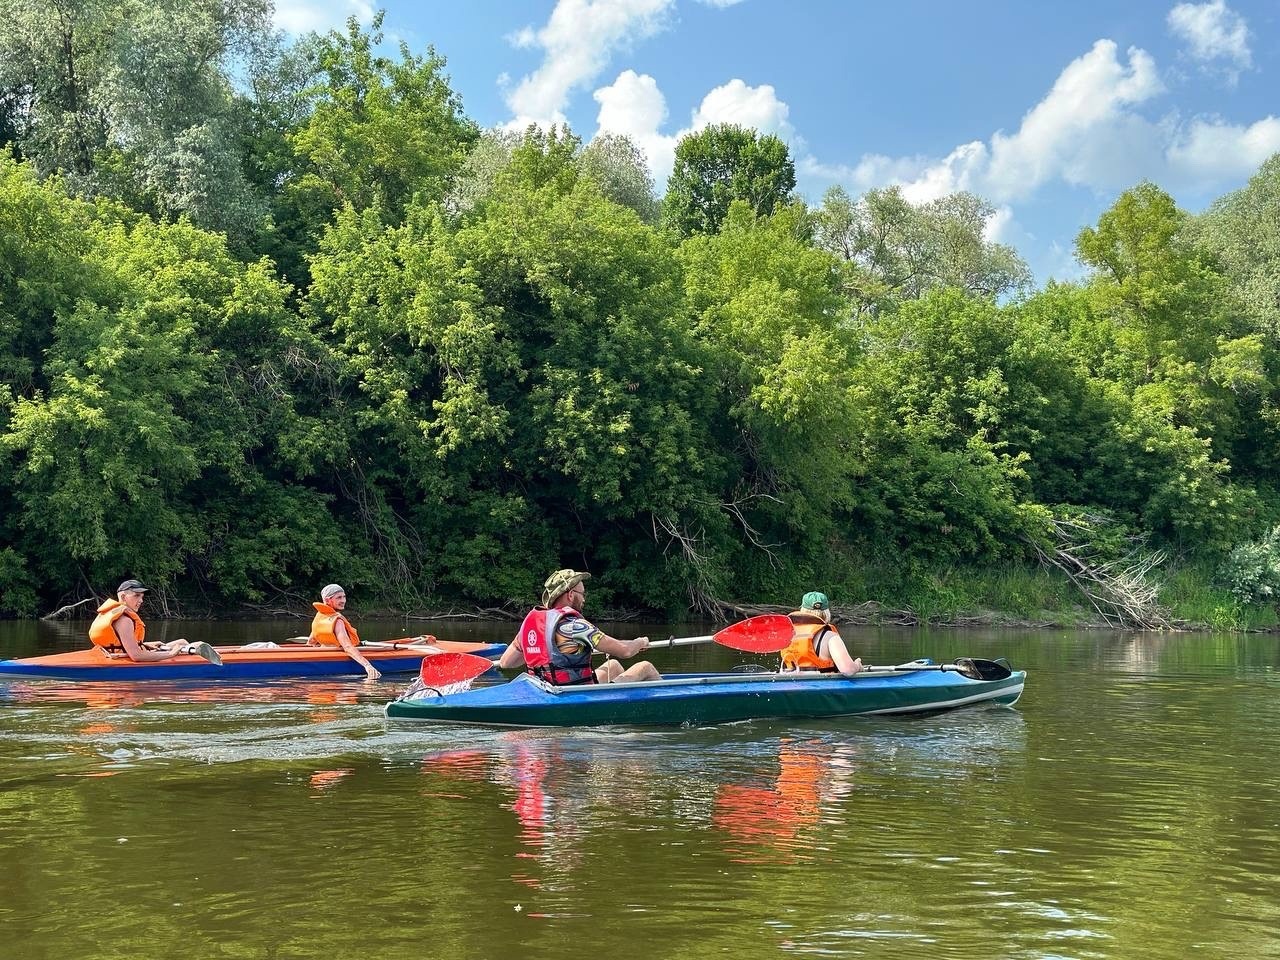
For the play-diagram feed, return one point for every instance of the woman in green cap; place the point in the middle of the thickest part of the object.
(816, 644)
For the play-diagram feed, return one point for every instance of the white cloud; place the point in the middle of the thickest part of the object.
(735, 102)
(1088, 131)
(1209, 150)
(959, 170)
(578, 40)
(1213, 32)
(303, 16)
(1084, 131)
(1081, 131)
(721, 4)
(1001, 227)
(633, 105)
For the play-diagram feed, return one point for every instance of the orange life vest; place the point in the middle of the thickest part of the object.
(102, 631)
(802, 652)
(325, 624)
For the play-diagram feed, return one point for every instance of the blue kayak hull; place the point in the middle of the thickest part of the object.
(701, 699)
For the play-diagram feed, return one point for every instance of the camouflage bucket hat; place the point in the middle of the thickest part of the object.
(561, 582)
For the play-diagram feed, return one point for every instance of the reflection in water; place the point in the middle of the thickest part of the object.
(767, 796)
(326, 779)
(1137, 773)
(758, 819)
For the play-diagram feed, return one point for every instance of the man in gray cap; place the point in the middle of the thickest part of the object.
(331, 628)
(119, 631)
(555, 642)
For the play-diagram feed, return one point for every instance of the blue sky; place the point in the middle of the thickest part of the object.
(1047, 110)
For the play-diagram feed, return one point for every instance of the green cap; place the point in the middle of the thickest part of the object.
(813, 600)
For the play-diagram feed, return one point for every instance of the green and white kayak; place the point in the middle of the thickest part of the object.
(708, 698)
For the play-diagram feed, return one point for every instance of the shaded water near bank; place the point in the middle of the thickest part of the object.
(1127, 807)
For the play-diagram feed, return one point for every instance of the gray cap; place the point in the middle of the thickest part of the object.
(132, 586)
(330, 590)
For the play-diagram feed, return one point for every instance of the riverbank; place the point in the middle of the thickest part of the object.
(1024, 596)
(1013, 595)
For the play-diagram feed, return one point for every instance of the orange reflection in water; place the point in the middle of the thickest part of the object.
(766, 823)
(323, 780)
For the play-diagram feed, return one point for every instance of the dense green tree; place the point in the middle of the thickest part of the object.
(159, 435)
(767, 306)
(1177, 365)
(529, 373)
(941, 380)
(895, 250)
(720, 164)
(621, 171)
(364, 130)
(134, 100)
(486, 159)
(1242, 233)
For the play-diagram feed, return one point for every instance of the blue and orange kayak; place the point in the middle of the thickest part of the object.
(239, 663)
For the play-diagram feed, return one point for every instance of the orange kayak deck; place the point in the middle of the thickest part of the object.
(238, 663)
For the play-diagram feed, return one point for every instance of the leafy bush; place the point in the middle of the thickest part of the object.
(1252, 570)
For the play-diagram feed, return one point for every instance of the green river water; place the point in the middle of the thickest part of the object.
(1127, 807)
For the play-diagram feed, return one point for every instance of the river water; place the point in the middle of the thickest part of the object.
(1127, 807)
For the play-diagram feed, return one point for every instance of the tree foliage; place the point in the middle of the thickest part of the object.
(894, 250)
(274, 314)
(720, 164)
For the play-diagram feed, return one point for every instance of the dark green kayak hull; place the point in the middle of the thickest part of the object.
(701, 699)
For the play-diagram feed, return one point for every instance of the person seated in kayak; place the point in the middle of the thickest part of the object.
(330, 628)
(816, 644)
(118, 631)
(555, 642)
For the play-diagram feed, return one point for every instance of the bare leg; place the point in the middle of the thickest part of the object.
(608, 671)
(642, 671)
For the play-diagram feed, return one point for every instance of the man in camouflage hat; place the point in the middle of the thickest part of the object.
(555, 642)
(816, 644)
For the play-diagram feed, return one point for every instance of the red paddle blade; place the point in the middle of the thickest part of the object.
(442, 669)
(766, 634)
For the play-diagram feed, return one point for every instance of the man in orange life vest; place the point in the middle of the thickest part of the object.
(816, 644)
(555, 642)
(330, 628)
(119, 631)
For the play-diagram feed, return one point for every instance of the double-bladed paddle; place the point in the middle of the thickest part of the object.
(404, 643)
(769, 633)
(972, 667)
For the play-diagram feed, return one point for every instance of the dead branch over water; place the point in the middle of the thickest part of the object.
(1120, 591)
(65, 611)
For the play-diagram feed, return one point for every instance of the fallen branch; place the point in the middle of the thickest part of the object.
(66, 611)
(1120, 591)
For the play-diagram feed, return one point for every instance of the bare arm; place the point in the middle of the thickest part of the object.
(839, 653)
(622, 649)
(512, 657)
(344, 641)
(132, 648)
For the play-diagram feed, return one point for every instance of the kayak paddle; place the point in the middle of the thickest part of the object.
(443, 669)
(769, 633)
(971, 667)
(765, 634)
(404, 643)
